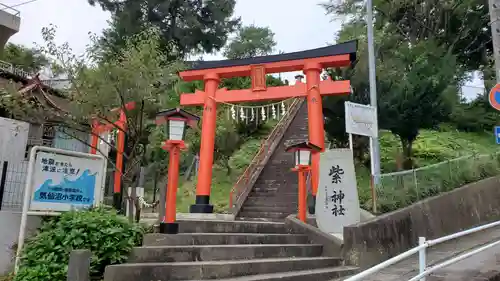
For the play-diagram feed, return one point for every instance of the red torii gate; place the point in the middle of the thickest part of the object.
(312, 62)
(99, 128)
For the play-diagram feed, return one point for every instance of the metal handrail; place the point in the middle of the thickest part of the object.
(9, 67)
(259, 156)
(423, 245)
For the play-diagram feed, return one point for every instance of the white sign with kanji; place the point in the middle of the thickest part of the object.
(337, 202)
(361, 119)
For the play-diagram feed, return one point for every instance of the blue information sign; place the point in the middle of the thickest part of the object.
(497, 134)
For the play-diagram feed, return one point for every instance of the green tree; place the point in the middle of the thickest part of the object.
(186, 26)
(138, 74)
(29, 60)
(251, 41)
(413, 89)
(475, 116)
(413, 84)
(460, 27)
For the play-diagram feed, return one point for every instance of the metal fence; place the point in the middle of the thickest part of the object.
(12, 183)
(400, 189)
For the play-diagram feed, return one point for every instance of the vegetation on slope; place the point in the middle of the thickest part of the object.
(222, 182)
(431, 147)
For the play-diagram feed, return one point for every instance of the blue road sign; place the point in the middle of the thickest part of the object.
(497, 134)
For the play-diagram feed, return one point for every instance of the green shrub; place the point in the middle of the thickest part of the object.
(110, 238)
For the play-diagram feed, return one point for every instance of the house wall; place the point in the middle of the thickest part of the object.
(13, 150)
(63, 141)
(9, 233)
(13, 141)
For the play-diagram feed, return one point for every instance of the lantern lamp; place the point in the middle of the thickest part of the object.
(302, 152)
(175, 121)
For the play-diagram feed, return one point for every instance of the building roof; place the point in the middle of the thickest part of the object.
(44, 94)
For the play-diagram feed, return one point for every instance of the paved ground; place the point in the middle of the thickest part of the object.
(480, 267)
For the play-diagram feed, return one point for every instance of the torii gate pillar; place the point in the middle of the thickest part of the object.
(202, 203)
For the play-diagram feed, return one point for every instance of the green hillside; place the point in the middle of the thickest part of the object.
(431, 147)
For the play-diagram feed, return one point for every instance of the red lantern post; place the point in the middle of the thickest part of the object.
(175, 121)
(302, 154)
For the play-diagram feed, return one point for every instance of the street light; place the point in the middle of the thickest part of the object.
(175, 121)
(302, 153)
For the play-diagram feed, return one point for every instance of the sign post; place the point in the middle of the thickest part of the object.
(59, 180)
(337, 202)
(361, 119)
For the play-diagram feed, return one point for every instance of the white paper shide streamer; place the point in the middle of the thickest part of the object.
(233, 113)
(242, 114)
(250, 113)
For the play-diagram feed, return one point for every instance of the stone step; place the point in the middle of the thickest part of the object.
(213, 269)
(271, 215)
(293, 199)
(283, 190)
(158, 239)
(264, 189)
(278, 190)
(230, 227)
(275, 201)
(323, 274)
(260, 219)
(268, 209)
(275, 195)
(222, 252)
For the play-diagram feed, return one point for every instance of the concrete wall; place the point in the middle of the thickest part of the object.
(385, 236)
(10, 23)
(9, 234)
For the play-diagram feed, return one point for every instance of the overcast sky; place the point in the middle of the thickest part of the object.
(297, 24)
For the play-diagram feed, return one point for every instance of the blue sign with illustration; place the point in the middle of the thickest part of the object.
(64, 182)
(79, 191)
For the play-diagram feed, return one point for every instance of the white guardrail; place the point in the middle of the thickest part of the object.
(9, 67)
(421, 250)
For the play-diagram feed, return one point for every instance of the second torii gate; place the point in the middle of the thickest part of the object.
(312, 62)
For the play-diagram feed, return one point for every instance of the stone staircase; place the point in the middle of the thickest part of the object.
(230, 251)
(274, 195)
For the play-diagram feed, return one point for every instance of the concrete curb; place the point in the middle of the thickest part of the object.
(332, 246)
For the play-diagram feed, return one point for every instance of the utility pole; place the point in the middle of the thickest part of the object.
(374, 145)
(494, 6)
